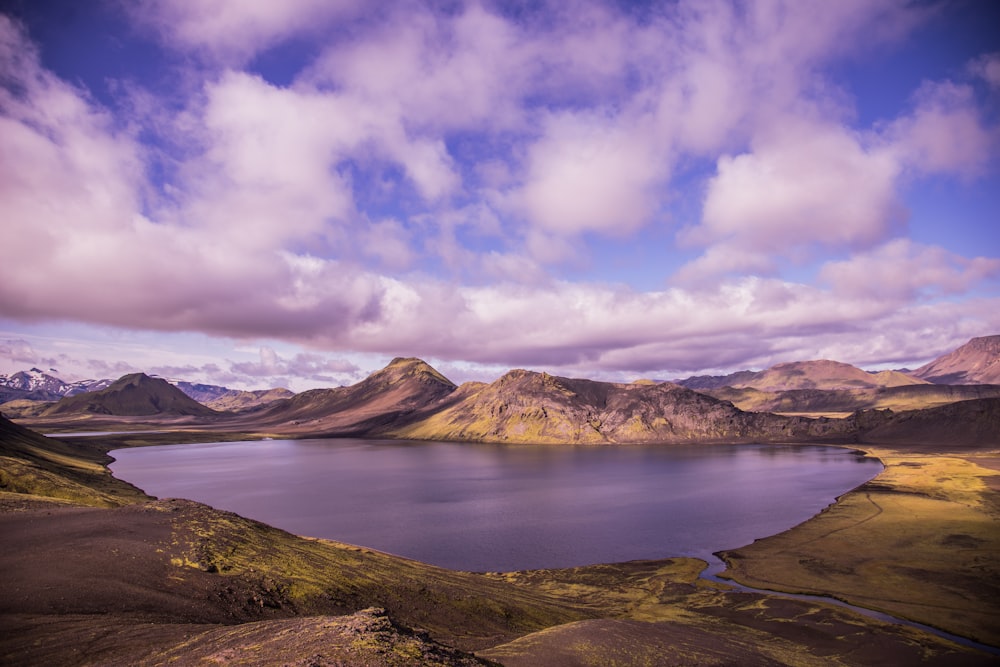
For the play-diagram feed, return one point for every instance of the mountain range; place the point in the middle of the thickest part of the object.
(410, 399)
(36, 384)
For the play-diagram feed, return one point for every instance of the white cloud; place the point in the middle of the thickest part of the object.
(18, 351)
(945, 133)
(541, 137)
(590, 172)
(235, 30)
(904, 270)
(389, 242)
(805, 184)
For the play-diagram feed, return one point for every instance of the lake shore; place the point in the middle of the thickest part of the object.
(151, 582)
(920, 541)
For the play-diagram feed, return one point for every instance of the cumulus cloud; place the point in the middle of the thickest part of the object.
(304, 365)
(18, 351)
(591, 173)
(945, 133)
(804, 184)
(235, 30)
(904, 270)
(496, 148)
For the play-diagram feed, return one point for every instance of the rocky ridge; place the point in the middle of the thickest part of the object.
(529, 407)
(976, 362)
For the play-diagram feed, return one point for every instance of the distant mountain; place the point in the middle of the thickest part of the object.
(235, 400)
(37, 382)
(203, 393)
(37, 385)
(820, 374)
(529, 407)
(131, 395)
(383, 398)
(839, 401)
(976, 362)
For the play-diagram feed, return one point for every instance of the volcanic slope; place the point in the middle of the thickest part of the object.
(384, 398)
(135, 395)
(235, 400)
(819, 374)
(976, 362)
(34, 465)
(965, 424)
(528, 407)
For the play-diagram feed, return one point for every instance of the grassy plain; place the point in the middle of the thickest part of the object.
(920, 541)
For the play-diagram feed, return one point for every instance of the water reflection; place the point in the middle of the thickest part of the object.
(499, 507)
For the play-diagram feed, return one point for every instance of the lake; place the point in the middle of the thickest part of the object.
(483, 507)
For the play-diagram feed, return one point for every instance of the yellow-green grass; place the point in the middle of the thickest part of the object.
(602, 613)
(921, 541)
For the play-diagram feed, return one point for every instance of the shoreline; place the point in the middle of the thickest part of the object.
(790, 562)
(237, 569)
(727, 576)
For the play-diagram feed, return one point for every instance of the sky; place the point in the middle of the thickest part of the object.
(254, 193)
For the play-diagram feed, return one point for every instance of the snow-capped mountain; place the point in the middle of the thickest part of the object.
(36, 384)
(34, 380)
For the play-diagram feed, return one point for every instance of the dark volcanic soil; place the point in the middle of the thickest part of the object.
(91, 586)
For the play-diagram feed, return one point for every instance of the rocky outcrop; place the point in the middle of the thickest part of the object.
(529, 407)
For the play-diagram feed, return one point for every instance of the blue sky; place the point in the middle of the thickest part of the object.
(253, 193)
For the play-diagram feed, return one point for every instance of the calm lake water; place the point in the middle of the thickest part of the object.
(507, 507)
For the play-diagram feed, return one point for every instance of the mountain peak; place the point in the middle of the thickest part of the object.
(403, 367)
(132, 395)
(976, 362)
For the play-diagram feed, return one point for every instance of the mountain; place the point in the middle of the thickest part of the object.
(37, 385)
(235, 400)
(383, 398)
(528, 407)
(956, 425)
(839, 401)
(819, 374)
(976, 362)
(132, 395)
(32, 464)
(37, 382)
(203, 393)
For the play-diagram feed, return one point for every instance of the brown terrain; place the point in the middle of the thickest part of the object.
(98, 573)
(976, 362)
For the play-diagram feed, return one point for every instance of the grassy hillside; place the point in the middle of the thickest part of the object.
(177, 582)
(36, 465)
